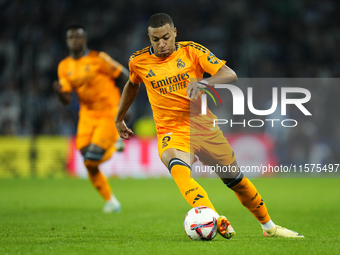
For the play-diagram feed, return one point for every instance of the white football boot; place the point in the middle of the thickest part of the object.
(281, 232)
(112, 206)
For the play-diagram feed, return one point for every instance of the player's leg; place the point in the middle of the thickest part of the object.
(178, 163)
(174, 153)
(103, 141)
(248, 195)
(215, 150)
(218, 151)
(96, 142)
(93, 157)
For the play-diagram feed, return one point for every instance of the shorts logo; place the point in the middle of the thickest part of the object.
(180, 63)
(165, 141)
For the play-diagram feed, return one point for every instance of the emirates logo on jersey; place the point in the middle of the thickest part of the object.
(180, 63)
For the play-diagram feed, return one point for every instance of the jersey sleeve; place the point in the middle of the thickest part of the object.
(112, 67)
(63, 80)
(207, 60)
(133, 75)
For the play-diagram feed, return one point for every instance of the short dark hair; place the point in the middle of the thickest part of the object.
(75, 26)
(159, 20)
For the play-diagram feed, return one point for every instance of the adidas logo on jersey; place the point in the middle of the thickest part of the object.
(150, 74)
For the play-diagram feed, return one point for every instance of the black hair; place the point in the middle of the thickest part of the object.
(159, 20)
(75, 26)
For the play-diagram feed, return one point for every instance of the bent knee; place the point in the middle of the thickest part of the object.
(92, 166)
(92, 160)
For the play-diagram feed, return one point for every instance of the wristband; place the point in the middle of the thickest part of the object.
(204, 83)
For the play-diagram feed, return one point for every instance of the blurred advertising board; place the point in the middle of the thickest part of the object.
(140, 157)
(45, 156)
(40, 157)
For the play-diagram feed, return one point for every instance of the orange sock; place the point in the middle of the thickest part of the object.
(100, 182)
(193, 193)
(250, 198)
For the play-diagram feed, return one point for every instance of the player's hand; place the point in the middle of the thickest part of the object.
(57, 86)
(123, 131)
(64, 97)
(193, 89)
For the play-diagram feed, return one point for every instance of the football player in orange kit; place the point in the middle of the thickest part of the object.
(91, 74)
(172, 73)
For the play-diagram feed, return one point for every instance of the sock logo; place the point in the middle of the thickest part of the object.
(255, 196)
(260, 204)
(197, 198)
(190, 190)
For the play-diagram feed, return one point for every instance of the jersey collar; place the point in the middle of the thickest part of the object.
(152, 52)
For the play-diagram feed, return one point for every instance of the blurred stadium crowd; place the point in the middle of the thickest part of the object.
(261, 38)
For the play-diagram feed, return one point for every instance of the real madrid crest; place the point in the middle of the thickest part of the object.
(180, 63)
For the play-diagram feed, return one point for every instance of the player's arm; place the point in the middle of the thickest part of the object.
(224, 75)
(64, 97)
(129, 94)
(116, 70)
(63, 86)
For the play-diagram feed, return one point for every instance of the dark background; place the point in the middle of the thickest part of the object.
(282, 38)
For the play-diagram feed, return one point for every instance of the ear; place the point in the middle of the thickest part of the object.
(175, 32)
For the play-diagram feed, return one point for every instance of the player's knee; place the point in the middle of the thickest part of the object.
(93, 156)
(231, 182)
(92, 166)
(91, 163)
(176, 161)
(92, 159)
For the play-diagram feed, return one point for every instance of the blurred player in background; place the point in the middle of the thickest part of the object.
(166, 68)
(92, 75)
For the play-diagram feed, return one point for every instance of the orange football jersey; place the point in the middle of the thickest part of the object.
(166, 81)
(92, 77)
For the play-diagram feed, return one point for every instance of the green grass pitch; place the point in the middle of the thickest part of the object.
(63, 216)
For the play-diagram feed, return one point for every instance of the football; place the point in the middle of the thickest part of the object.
(200, 223)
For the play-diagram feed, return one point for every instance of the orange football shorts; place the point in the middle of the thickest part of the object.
(211, 147)
(99, 130)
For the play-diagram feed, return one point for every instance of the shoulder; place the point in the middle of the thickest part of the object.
(191, 46)
(140, 54)
(93, 53)
(63, 63)
(103, 55)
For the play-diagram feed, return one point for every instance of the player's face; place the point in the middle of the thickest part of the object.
(76, 39)
(163, 40)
